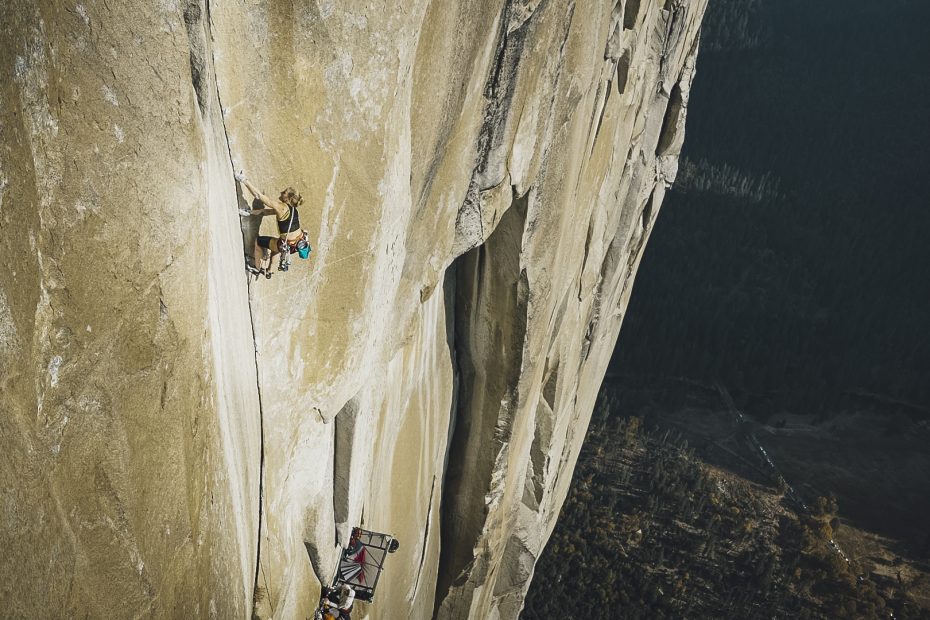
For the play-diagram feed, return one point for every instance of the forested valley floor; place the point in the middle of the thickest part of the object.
(674, 520)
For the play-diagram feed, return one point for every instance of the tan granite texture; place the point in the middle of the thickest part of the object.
(479, 178)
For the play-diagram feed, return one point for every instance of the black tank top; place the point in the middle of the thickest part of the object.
(289, 224)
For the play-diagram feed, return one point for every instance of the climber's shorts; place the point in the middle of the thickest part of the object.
(269, 243)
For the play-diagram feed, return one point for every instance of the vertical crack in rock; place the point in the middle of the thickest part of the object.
(675, 27)
(623, 71)
(196, 37)
(630, 14)
(345, 430)
(490, 323)
(252, 321)
(490, 164)
(261, 464)
(426, 530)
(542, 438)
(670, 139)
(197, 21)
(604, 97)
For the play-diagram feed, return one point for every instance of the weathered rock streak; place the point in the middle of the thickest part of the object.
(480, 179)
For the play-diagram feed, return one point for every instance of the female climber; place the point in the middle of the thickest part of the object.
(291, 238)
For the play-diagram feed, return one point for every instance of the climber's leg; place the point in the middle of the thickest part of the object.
(265, 248)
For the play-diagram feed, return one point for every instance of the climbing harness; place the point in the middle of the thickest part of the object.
(301, 246)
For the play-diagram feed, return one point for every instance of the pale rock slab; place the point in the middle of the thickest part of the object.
(480, 179)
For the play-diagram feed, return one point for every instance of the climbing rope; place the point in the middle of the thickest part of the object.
(284, 262)
(367, 251)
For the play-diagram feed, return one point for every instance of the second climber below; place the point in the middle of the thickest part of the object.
(291, 238)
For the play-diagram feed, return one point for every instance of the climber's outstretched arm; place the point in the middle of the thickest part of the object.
(272, 206)
(254, 190)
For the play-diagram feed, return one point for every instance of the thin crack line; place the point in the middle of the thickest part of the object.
(258, 386)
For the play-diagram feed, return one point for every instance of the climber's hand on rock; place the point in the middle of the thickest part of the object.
(239, 176)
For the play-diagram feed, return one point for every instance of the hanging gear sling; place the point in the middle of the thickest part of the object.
(284, 262)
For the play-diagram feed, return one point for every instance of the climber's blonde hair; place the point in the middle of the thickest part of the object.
(290, 197)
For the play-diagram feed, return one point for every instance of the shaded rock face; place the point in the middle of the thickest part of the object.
(480, 179)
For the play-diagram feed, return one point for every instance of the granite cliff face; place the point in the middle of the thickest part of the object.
(480, 180)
